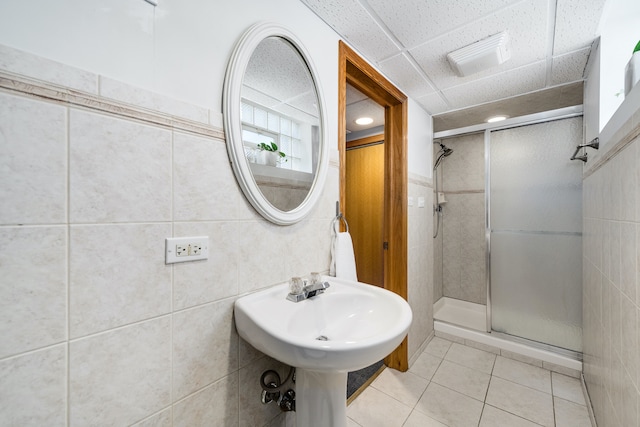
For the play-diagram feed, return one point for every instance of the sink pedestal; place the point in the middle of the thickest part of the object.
(321, 399)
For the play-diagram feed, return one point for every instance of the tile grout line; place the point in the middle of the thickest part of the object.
(68, 274)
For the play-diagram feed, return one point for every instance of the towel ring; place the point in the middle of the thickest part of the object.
(337, 220)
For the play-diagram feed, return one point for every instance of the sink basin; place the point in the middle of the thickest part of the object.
(348, 327)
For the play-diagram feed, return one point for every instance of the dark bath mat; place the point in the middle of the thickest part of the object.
(356, 379)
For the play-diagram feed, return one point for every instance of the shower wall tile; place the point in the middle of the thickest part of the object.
(119, 170)
(33, 161)
(464, 169)
(103, 294)
(611, 302)
(33, 388)
(464, 247)
(33, 297)
(628, 259)
(161, 419)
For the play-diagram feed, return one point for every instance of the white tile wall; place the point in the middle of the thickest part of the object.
(33, 162)
(145, 337)
(96, 328)
(420, 274)
(102, 293)
(121, 376)
(33, 296)
(611, 303)
(33, 388)
(119, 170)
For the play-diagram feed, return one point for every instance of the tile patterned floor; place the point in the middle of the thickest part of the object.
(453, 385)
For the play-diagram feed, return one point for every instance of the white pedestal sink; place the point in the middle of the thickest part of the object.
(347, 328)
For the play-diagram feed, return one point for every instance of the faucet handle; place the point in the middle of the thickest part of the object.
(296, 285)
(315, 278)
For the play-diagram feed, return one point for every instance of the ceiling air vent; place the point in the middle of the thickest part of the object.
(481, 55)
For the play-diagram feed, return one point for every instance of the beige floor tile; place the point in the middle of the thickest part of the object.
(520, 400)
(373, 408)
(462, 379)
(438, 347)
(494, 417)
(418, 419)
(402, 386)
(351, 423)
(425, 365)
(523, 373)
(569, 414)
(471, 358)
(449, 407)
(567, 388)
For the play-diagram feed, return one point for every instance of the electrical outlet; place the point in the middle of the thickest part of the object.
(183, 249)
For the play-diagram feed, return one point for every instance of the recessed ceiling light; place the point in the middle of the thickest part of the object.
(364, 121)
(496, 119)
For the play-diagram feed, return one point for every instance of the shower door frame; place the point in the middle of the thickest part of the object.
(486, 129)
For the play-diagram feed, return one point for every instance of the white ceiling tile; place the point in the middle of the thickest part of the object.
(510, 83)
(570, 67)
(404, 75)
(366, 108)
(354, 95)
(415, 21)
(356, 25)
(527, 28)
(576, 24)
(433, 103)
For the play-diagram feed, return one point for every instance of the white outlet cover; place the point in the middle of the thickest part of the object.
(410, 201)
(421, 202)
(201, 242)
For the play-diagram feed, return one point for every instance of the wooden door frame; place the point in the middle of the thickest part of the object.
(358, 73)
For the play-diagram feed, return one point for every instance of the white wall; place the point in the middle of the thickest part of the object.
(619, 35)
(420, 142)
(96, 329)
(179, 48)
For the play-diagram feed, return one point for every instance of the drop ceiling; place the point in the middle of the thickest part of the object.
(408, 41)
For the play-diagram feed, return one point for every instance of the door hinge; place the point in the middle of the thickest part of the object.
(385, 245)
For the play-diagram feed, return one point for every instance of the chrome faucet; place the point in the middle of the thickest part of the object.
(308, 291)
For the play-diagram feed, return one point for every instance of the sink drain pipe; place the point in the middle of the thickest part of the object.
(273, 389)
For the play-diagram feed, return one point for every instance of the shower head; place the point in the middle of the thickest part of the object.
(444, 152)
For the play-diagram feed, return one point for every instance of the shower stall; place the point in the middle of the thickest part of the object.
(508, 231)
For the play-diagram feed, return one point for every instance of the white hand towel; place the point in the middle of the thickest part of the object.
(343, 261)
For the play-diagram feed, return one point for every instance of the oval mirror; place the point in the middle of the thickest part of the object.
(275, 125)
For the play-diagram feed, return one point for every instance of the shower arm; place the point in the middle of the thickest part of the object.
(594, 143)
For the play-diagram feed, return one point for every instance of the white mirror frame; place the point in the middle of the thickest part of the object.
(233, 127)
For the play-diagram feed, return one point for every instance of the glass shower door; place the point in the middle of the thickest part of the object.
(536, 233)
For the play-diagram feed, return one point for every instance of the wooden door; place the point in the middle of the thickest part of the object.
(365, 204)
